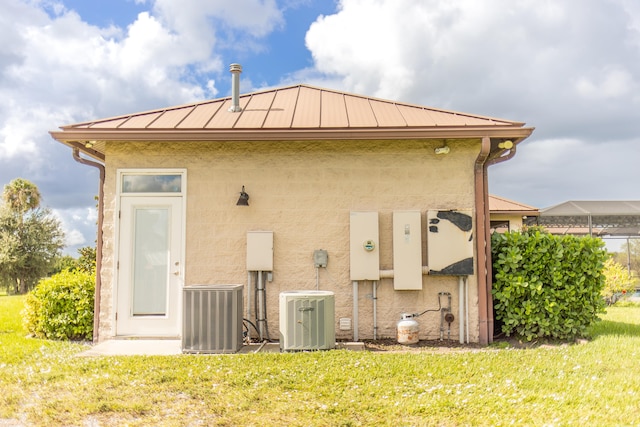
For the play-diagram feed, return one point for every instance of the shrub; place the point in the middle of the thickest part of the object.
(618, 281)
(61, 307)
(547, 286)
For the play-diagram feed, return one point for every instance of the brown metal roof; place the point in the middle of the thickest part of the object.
(500, 205)
(299, 112)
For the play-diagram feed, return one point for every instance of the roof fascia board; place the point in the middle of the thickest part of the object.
(77, 135)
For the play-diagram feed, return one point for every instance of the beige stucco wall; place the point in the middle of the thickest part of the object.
(515, 220)
(304, 192)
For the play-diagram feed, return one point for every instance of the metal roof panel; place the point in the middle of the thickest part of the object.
(360, 112)
(225, 119)
(280, 114)
(307, 110)
(200, 115)
(139, 121)
(253, 115)
(170, 118)
(333, 111)
(387, 114)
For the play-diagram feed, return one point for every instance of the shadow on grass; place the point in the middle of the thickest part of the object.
(609, 327)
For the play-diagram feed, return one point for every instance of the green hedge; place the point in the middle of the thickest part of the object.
(61, 307)
(547, 286)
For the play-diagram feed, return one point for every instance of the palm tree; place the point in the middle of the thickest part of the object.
(21, 196)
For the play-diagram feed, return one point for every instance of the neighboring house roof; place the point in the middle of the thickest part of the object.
(597, 217)
(299, 112)
(500, 205)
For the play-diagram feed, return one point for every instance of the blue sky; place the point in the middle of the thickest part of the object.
(571, 69)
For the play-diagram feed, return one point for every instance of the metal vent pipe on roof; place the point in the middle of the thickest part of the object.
(235, 70)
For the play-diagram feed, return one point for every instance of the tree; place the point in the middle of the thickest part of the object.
(21, 196)
(617, 281)
(629, 256)
(31, 238)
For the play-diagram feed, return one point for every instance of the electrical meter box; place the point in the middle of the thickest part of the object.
(363, 242)
(450, 242)
(407, 250)
(260, 251)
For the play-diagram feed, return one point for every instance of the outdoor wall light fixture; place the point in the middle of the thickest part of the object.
(244, 198)
(88, 144)
(506, 145)
(442, 150)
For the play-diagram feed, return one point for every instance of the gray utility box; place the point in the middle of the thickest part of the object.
(212, 319)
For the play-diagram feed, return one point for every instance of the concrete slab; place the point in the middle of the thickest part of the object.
(171, 347)
(146, 347)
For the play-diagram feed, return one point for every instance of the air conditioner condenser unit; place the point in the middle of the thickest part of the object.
(212, 319)
(307, 320)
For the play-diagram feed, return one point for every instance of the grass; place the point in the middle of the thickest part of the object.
(595, 383)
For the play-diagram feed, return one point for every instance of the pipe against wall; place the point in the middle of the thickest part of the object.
(98, 288)
(261, 308)
(248, 295)
(466, 304)
(355, 310)
(479, 190)
(461, 307)
(374, 286)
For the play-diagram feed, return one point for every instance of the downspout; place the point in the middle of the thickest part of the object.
(481, 243)
(96, 308)
(487, 215)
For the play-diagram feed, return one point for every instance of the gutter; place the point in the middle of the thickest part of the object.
(71, 136)
(97, 299)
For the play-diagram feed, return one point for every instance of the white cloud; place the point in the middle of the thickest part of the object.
(570, 64)
(57, 69)
(613, 82)
(79, 226)
(568, 68)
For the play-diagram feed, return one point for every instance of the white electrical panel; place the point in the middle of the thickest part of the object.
(407, 250)
(260, 251)
(450, 242)
(363, 240)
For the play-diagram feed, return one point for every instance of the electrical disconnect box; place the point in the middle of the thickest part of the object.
(260, 251)
(320, 258)
(363, 242)
(450, 242)
(407, 250)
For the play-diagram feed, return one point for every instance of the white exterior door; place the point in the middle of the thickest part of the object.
(149, 270)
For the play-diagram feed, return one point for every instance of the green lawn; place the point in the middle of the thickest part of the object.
(592, 384)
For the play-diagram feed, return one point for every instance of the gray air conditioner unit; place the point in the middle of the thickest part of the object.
(307, 320)
(212, 319)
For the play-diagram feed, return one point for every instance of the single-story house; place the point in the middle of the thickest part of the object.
(509, 215)
(383, 203)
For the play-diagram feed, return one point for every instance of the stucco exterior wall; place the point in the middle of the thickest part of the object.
(515, 220)
(304, 193)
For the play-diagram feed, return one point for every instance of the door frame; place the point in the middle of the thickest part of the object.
(120, 194)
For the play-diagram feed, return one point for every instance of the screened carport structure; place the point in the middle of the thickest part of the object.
(605, 219)
(595, 218)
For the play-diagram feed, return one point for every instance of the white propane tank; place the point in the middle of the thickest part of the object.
(408, 330)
